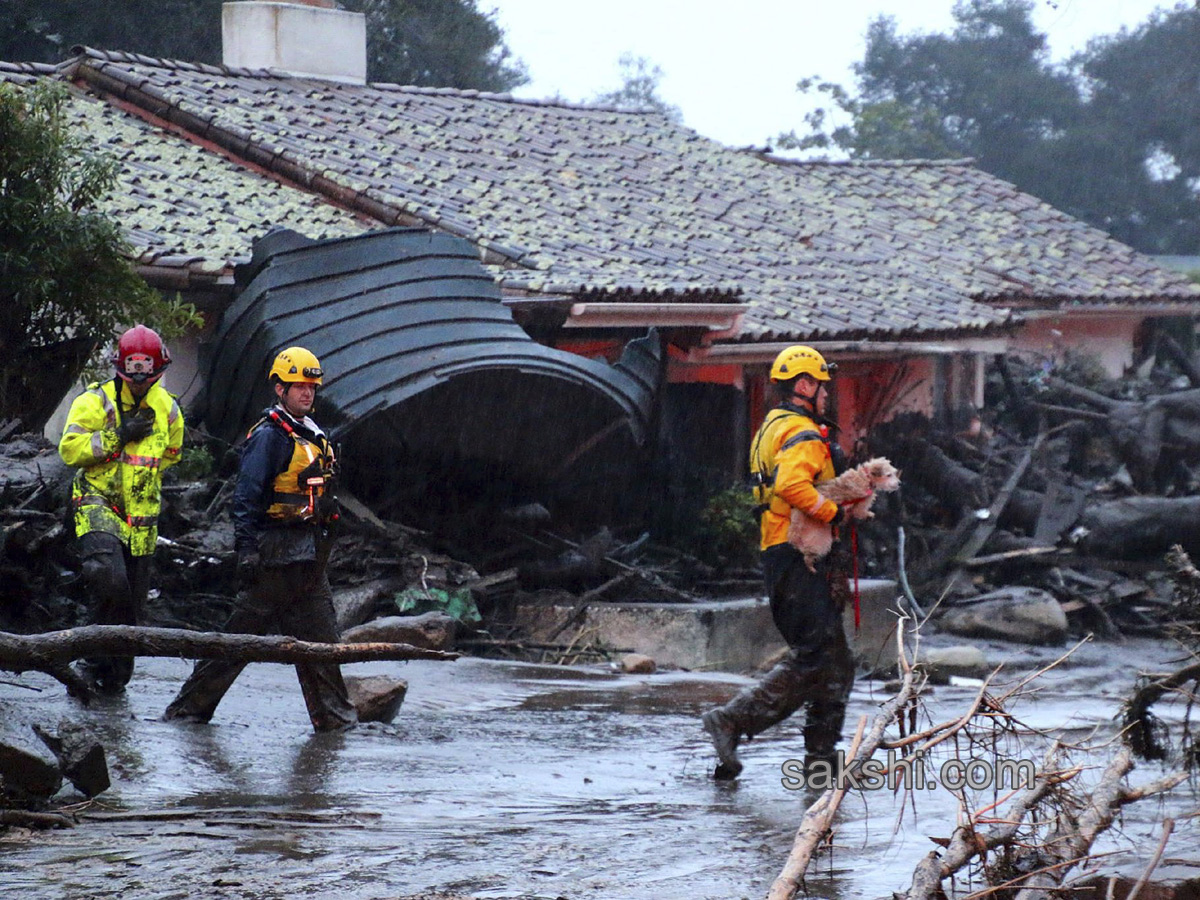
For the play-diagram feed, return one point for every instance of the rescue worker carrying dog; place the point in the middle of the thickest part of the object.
(790, 456)
(283, 511)
(121, 435)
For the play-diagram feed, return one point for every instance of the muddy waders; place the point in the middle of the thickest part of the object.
(118, 584)
(292, 599)
(817, 673)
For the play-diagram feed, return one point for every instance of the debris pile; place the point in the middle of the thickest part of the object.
(1072, 488)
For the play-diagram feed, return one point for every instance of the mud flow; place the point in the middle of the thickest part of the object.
(501, 780)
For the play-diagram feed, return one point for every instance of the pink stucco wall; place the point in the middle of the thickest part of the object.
(1108, 338)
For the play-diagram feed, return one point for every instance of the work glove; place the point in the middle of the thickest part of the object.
(135, 428)
(248, 565)
(838, 517)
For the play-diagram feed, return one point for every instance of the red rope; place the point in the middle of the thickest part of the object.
(854, 554)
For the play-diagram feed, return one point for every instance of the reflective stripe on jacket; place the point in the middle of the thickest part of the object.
(118, 490)
(788, 457)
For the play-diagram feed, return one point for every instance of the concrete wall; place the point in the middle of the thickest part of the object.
(723, 635)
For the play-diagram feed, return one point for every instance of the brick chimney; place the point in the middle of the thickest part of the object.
(303, 37)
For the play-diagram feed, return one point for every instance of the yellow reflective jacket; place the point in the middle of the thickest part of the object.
(789, 456)
(118, 490)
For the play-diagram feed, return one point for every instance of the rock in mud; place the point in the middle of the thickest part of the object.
(28, 771)
(1024, 614)
(376, 697)
(965, 661)
(80, 755)
(429, 631)
(637, 664)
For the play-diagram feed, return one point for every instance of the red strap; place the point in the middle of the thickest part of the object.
(858, 500)
(279, 420)
(854, 554)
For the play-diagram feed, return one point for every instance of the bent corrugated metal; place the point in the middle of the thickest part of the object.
(407, 322)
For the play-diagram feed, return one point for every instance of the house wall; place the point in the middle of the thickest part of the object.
(1110, 338)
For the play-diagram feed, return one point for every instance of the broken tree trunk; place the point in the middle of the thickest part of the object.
(1178, 356)
(1140, 722)
(1136, 527)
(966, 843)
(51, 652)
(952, 483)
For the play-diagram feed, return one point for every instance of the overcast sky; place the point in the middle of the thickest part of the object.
(732, 67)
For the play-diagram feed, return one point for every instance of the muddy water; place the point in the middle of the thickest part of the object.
(498, 780)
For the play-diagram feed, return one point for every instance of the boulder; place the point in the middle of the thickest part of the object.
(943, 663)
(1025, 614)
(430, 631)
(637, 664)
(80, 756)
(28, 770)
(376, 697)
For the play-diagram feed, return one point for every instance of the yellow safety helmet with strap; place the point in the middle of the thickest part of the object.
(295, 364)
(801, 360)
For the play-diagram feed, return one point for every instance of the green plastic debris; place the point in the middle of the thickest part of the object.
(458, 604)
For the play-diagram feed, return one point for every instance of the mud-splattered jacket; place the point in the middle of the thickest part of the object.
(789, 456)
(118, 489)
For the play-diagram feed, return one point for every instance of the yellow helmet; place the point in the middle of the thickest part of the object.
(295, 364)
(801, 360)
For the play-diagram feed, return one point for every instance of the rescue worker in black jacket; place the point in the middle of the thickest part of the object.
(283, 509)
(790, 456)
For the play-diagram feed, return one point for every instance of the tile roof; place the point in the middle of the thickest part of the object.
(566, 199)
(182, 206)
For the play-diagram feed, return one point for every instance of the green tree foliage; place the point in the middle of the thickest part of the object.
(65, 279)
(439, 43)
(1109, 137)
(639, 88)
(1144, 132)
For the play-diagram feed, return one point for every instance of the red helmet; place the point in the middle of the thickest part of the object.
(141, 355)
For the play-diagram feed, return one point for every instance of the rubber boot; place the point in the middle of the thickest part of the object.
(725, 739)
(753, 710)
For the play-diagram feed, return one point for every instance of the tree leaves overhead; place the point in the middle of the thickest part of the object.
(1109, 137)
(437, 43)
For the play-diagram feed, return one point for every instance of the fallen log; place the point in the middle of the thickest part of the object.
(1138, 527)
(51, 652)
(38, 820)
(966, 843)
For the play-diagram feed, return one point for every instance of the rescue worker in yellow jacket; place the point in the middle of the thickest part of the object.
(283, 513)
(121, 435)
(790, 455)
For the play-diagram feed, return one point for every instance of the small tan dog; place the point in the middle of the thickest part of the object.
(855, 491)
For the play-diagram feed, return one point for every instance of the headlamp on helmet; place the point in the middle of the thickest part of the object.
(295, 365)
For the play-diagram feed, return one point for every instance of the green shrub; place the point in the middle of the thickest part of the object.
(194, 464)
(727, 533)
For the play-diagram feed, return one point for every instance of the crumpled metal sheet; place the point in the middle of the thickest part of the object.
(422, 360)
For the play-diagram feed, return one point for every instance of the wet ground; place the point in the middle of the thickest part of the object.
(500, 780)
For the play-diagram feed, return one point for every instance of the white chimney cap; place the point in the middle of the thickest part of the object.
(306, 38)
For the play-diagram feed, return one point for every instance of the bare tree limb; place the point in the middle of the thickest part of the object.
(51, 652)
